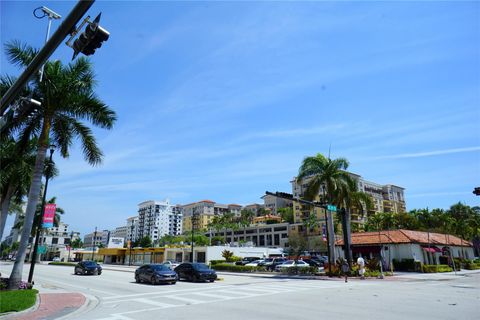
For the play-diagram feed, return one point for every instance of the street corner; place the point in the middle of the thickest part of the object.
(53, 306)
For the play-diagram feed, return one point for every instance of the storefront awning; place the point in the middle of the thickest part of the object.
(431, 249)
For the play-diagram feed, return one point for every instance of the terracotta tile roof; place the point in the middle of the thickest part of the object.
(405, 236)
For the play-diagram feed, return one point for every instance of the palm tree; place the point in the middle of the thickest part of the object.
(329, 174)
(68, 99)
(16, 168)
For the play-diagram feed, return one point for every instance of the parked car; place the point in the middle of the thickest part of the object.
(313, 262)
(254, 263)
(171, 264)
(195, 272)
(155, 273)
(246, 260)
(290, 264)
(56, 259)
(271, 263)
(88, 267)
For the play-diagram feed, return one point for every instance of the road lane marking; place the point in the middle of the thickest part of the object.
(185, 299)
(155, 303)
(211, 295)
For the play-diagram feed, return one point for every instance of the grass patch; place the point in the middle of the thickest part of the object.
(17, 300)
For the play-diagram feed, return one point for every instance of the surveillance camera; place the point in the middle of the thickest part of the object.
(50, 13)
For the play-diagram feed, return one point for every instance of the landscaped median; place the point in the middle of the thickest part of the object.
(16, 300)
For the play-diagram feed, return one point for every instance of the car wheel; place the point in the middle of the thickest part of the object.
(173, 282)
(153, 280)
(75, 271)
(212, 280)
(195, 278)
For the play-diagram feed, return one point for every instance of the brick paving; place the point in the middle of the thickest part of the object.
(54, 305)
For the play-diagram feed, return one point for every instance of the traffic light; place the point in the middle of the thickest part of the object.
(91, 39)
(476, 191)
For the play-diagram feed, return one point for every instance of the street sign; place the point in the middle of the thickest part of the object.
(42, 249)
(331, 207)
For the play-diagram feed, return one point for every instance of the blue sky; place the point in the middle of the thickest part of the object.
(223, 100)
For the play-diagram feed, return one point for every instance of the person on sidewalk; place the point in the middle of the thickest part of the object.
(361, 267)
(345, 269)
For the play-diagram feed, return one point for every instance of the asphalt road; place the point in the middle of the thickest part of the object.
(114, 295)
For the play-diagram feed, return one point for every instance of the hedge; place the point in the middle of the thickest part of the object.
(235, 268)
(72, 264)
(432, 268)
(214, 262)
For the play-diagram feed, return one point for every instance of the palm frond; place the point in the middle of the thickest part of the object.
(20, 54)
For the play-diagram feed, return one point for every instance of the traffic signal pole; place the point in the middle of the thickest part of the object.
(67, 26)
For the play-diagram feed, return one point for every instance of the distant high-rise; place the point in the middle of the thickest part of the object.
(158, 218)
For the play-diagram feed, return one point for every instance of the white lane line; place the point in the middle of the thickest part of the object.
(215, 296)
(185, 299)
(155, 303)
(127, 296)
(117, 317)
(245, 294)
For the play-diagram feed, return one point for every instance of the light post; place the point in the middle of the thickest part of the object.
(48, 172)
(194, 218)
(131, 243)
(51, 15)
(94, 238)
(381, 246)
(70, 246)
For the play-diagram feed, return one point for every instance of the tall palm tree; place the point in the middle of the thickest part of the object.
(68, 99)
(16, 168)
(324, 172)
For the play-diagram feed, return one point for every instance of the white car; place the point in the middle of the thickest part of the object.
(56, 259)
(254, 263)
(290, 264)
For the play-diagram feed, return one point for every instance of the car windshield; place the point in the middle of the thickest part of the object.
(90, 263)
(269, 260)
(200, 266)
(160, 267)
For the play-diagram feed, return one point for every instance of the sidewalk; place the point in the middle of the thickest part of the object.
(52, 306)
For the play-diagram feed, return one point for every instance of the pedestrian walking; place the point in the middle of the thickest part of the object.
(361, 267)
(345, 269)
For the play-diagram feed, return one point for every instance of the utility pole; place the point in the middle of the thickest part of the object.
(194, 218)
(93, 247)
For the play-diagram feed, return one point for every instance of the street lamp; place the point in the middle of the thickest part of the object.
(194, 218)
(51, 15)
(70, 246)
(131, 242)
(94, 238)
(48, 173)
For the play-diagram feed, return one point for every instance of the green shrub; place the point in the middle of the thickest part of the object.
(235, 259)
(214, 262)
(233, 268)
(432, 268)
(472, 266)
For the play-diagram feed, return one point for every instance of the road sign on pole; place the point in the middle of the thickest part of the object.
(331, 207)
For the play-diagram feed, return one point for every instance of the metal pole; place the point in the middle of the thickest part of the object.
(131, 243)
(37, 233)
(93, 247)
(381, 261)
(70, 246)
(65, 29)
(50, 18)
(329, 254)
(193, 231)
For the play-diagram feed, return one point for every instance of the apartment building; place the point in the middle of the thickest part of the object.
(262, 235)
(385, 198)
(132, 229)
(272, 203)
(119, 232)
(97, 239)
(204, 211)
(257, 209)
(159, 218)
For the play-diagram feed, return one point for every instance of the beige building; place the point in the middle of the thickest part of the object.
(272, 203)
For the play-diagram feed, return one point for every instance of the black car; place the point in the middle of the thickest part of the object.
(313, 262)
(88, 267)
(246, 260)
(155, 273)
(195, 272)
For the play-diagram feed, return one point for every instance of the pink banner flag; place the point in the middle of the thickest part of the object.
(49, 215)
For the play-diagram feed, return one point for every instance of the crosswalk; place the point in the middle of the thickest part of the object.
(132, 306)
